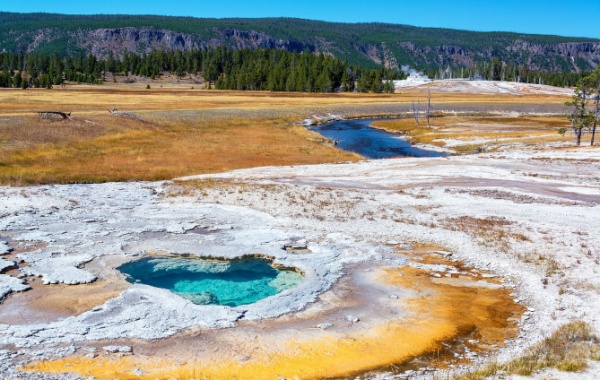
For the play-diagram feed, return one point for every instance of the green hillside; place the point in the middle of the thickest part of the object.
(362, 43)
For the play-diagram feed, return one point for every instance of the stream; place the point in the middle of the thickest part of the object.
(359, 137)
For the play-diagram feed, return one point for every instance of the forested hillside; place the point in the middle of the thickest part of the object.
(367, 44)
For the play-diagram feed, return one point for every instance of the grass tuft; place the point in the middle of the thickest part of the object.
(568, 349)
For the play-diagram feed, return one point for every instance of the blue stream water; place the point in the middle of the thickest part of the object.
(359, 137)
(204, 282)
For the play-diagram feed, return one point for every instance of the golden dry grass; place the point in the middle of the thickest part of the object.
(463, 130)
(183, 131)
(568, 349)
(90, 98)
(162, 154)
(86, 99)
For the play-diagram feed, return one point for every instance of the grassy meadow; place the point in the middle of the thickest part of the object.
(464, 133)
(176, 130)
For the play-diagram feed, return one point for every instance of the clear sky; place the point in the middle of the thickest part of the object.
(561, 17)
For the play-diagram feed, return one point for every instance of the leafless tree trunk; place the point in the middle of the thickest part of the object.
(428, 113)
(579, 132)
(415, 108)
(596, 114)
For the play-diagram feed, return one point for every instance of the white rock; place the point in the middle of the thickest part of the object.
(117, 349)
(4, 248)
(5, 264)
(10, 284)
(58, 268)
(352, 318)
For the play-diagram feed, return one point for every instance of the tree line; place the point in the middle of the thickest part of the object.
(247, 69)
(497, 70)
(222, 68)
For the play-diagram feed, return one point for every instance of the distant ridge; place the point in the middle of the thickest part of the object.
(368, 44)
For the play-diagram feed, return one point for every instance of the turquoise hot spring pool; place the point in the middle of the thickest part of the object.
(211, 281)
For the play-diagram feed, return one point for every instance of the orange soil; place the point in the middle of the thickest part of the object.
(441, 311)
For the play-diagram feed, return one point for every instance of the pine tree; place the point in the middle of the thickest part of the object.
(580, 117)
(593, 83)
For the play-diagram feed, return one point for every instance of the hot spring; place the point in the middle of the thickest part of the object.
(211, 281)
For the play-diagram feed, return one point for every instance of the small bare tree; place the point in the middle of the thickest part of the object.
(428, 112)
(415, 108)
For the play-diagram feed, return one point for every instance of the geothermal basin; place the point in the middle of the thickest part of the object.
(211, 281)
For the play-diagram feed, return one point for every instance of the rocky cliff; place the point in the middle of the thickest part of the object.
(144, 39)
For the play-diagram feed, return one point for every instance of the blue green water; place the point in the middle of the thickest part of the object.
(359, 137)
(212, 282)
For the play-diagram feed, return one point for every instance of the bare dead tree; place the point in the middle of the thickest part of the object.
(428, 113)
(415, 109)
(596, 115)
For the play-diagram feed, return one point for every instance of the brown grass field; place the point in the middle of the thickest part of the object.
(491, 130)
(184, 131)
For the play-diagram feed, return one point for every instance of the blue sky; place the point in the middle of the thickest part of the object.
(527, 16)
